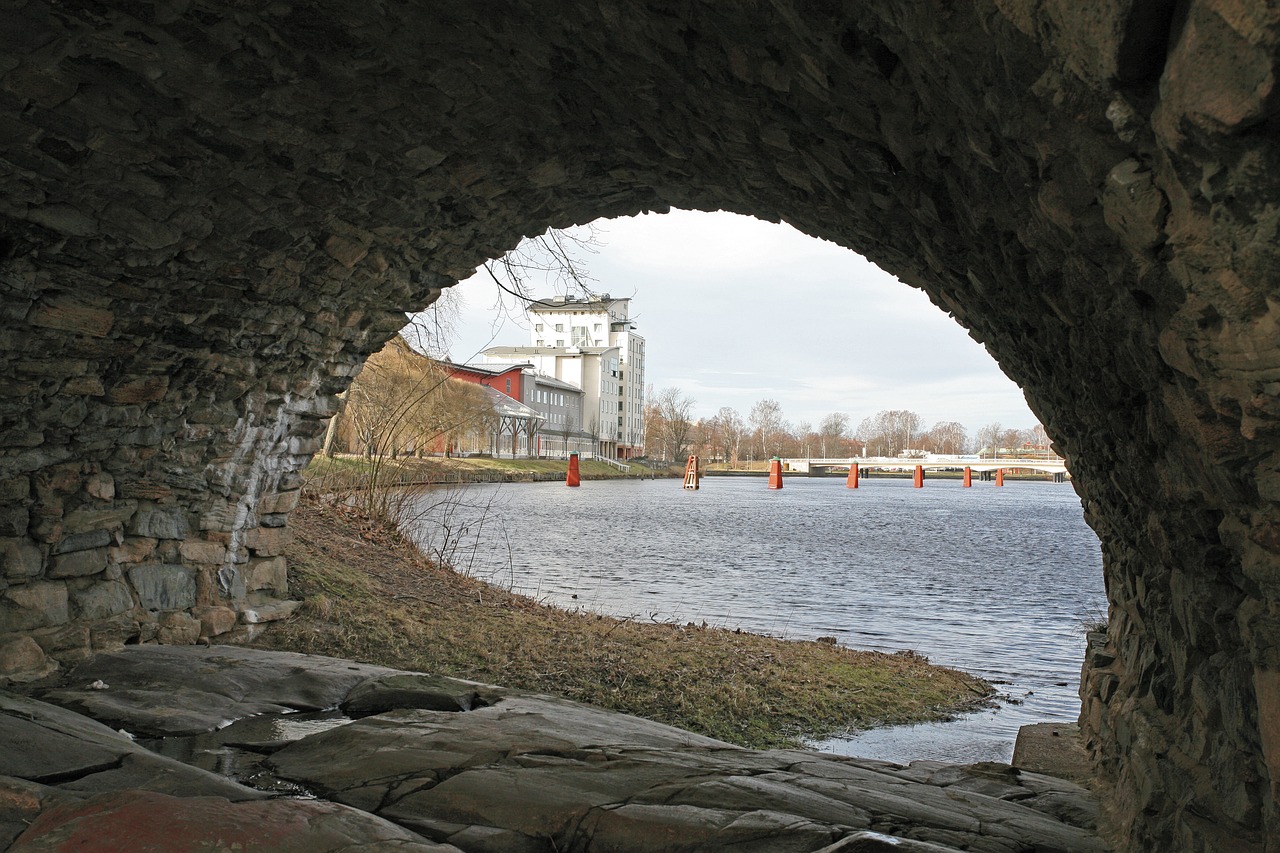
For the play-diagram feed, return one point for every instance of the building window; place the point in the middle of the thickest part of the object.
(539, 343)
(559, 327)
(560, 343)
(538, 327)
(508, 386)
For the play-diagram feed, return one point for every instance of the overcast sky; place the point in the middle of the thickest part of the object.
(734, 310)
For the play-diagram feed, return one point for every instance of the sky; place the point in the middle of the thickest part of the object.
(734, 310)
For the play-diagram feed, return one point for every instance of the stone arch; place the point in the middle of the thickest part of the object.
(213, 212)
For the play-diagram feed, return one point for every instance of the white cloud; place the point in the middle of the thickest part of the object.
(735, 310)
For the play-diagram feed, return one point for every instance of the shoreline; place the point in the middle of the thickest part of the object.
(369, 595)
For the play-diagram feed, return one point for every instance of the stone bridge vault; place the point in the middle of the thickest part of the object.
(212, 211)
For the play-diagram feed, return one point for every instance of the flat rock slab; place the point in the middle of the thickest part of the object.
(1053, 749)
(443, 764)
(51, 746)
(157, 691)
(539, 774)
(144, 820)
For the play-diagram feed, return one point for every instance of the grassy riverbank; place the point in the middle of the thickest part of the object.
(342, 472)
(370, 596)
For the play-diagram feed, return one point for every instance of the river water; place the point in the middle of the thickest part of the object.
(992, 580)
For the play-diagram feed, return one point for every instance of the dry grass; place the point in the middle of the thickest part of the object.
(370, 596)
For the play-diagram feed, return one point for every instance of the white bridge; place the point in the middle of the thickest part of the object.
(932, 462)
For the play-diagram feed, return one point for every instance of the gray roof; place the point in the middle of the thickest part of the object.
(552, 382)
(509, 407)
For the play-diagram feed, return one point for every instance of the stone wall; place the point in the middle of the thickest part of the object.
(214, 211)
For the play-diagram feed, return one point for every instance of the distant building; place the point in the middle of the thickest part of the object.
(590, 345)
(538, 416)
(560, 405)
(514, 426)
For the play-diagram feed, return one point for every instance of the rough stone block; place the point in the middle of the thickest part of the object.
(145, 488)
(15, 488)
(99, 516)
(102, 600)
(220, 516)
(139, 389)
(1266, 683)
(85, 386)
(112, 634)
(161, 523)
(162, 586)
(1133, 207)
(22, 659)
(178, 629)
(1214, 78)
(68, 644)
(33, 605)
(344, 250)
(65, 219)
(201, 551)
(269, 612)
(279, 502)
(70, 315)
(215, 620)
(78, 563)
(135, 549)
(81, 541)
(101, 486)
(268, 541)
(21, 558)
(269, 574)
(14, 520)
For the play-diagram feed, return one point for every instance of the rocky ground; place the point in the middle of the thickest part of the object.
(428, 763)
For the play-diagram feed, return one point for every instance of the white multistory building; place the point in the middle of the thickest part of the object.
(592, 345)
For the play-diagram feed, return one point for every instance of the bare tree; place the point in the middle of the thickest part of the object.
(730, 431)
(674, 412)
(1012, 440)
(946, 437)
(404, 401)
(767, 427)
(1039, 439)
(804, 440)
(988, 439)
(832, 433)
(890, 432)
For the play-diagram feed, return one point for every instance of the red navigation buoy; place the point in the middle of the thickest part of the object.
(573, 479)
(852, 481)
(917, 479)
(968, 477)
(691, 475)
(999, 476)
(775, 473)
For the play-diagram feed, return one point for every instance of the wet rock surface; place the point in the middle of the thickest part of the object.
(441, 764)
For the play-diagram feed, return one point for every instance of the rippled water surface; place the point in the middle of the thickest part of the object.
(994, 581)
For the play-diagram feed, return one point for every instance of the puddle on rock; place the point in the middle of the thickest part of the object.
(240, 750)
